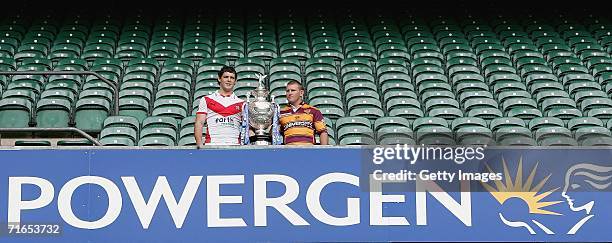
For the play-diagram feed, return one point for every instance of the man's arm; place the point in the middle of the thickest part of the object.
(324, 138)
(198, 127)
(320, 127)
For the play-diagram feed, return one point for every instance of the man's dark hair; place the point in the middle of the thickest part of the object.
(227, 69)
(301, 87)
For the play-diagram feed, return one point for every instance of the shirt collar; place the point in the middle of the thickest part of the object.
(219, 94)
(294, 109)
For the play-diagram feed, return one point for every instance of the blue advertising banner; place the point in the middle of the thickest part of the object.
(306, 194)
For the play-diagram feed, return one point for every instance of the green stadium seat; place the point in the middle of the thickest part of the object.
(63, 94)
(506, 122)
(187, 141)
(176, 108)
(558, 141)
(395, 82)
(479, 103)
(394, 131)
(352, 121)
(79, 143)
(31, 51)
(294, 48)
(187, 122)
(357, 141)
(517, 141)
(130, 49)
(332, 112)
(564, 114)
(439, 97)
(160, 121)
(388, 121)
(589, 132)
(409, 113)
(355, 131)
(70, 83)
(433, 86)
(7, 63)
(371, 113)
(187, 131)
(98, 50)
(505, 132)
(284, 69)
(540, 122)
(158, 132)
(394, 99)
(26, 85)
(551, 132)
(513, 94)
(327, 50)
(423, 122)
(582, 122)
(487, 113)
(396, 140)
(467, 121)
(142, 66)
(15, 112)
(90, 113)
(228, 45)
(597, 141)
(53, 113)
(392, 50)
(116, 141)
(582, 95)
(98, 94)
(356, 65)
(434, 103)
(496, 79)
(121, 121)
(34, 143)
(594, 103)
(19, 93)
(601, 113)
(360, 84)
(164, 50)
(524, 113)
(178, 66)
(119, 133)
(362, 50)
(434, 136)
(448, 113)
(134, 107)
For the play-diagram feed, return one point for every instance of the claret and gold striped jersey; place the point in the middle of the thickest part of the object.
(299, 126)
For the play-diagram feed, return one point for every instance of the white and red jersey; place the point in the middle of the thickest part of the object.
(223, 118)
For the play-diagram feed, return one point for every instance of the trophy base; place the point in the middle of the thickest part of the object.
(261, 140)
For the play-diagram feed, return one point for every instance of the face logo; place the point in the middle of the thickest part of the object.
(538, 218)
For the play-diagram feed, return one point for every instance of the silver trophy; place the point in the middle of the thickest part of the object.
(261, 116)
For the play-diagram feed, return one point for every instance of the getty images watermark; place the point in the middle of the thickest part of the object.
(401, 166)
(413, 153)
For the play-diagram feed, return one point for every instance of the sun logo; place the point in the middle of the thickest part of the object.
(523, 190)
